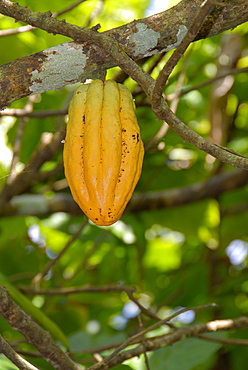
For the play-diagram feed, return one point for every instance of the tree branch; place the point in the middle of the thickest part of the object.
(14, 357)
(37, 279)
(112, 47)
(209, 81)
(154, 343)
(211, 188)
(225, 155)
(28, 28)
(77, 290)
(13, 112)
(178, 53)
(34, 334)
(39, 205)
(48, 146)
(71, 62)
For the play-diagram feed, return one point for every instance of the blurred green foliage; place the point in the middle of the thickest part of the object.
(175, 257)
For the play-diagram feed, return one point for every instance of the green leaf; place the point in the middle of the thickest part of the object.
(183, 355)
(5, 364)
(34, 311)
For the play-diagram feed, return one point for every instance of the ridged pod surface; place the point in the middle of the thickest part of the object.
(103, 151)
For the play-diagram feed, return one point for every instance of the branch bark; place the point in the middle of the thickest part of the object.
(34, 334)
(211, 188)
(48, 146)
(152, 344)
(71, 62)
(14, 357)
(111, 46)
(39, 205)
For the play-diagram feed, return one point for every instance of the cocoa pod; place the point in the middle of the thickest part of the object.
(103, 151)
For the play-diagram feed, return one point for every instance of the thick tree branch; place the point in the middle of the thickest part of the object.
(215, 186)
(111, 46)
(75, 61)
(34, 334)
(212, 188)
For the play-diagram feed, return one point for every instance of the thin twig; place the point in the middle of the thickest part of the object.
(143, 342)
(145, 311)
(76, 290)
(184, 91)
(175, 101)
(68, 8)
(22, 29)
(195, 331)
(157, 137)
(95, 12)
(178, 53)
(35, 114)
(18, 139)
(15, 31)
(37, 279)
(234, 341)
(14, 357)
(139, 335)
(34, 354)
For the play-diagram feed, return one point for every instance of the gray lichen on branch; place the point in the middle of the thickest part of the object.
(118, 56)
(22, 77)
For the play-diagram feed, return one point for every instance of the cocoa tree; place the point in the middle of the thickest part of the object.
(189, 197)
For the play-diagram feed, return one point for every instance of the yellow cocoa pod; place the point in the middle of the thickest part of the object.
(103, 151)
